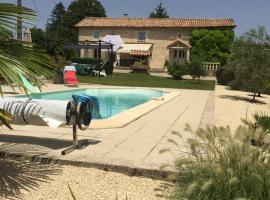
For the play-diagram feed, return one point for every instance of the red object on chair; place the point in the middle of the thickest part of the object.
(70, 78)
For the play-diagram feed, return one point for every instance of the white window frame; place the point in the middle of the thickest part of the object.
(138, 36)
(94, 31)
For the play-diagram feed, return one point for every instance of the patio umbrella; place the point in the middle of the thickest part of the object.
(116, 40)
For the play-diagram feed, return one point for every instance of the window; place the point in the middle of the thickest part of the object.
(182, 54)
(175, 53)
(96, 34)
(141, 36)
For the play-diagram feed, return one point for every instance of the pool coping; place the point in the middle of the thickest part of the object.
(124, 118)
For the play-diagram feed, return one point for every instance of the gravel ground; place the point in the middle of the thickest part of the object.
(87, 183)
(232, 106)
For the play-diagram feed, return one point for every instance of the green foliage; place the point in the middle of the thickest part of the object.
(177, 70)
(166, 64)
(16, 56)
(85, 60)
(196, 69)
(224, 75)
(211, 45)
(77, 11)
(56, 19)
(159, 12)
(251, 61)
(219, 164)
(260, 119)
(5, 34)
(61, 25)
(39, 38)
(53, 39)
(56, 32)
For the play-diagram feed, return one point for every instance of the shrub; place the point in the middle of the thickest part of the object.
(224, 75)
(196, 69)
(177, 70)
(260, 119)
(85, 60)
(166, 64)
(217, 164)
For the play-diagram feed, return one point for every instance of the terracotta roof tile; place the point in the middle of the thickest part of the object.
(154, 22)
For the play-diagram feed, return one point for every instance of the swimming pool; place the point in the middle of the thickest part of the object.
(111, 101)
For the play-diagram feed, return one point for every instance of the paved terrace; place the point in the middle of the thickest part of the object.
(135, 146)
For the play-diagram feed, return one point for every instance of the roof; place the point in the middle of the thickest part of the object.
(178, 43)
(155, 22)
(132, 48)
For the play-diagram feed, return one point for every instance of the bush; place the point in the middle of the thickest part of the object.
(196, 69)
(259, 120)
(177, 70)
(238, 85)
(217, 164)
(166, 64)
(224, 75)
(85, 60)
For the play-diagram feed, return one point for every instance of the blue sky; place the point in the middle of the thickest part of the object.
(246, 13)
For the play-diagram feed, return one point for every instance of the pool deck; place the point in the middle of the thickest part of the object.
(133, 147)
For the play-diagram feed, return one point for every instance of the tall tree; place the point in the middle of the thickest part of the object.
(77, 11)
(211, 45)
(56, 31)
(251, 61)
(39, 38)
(159, 12)
(57, 15)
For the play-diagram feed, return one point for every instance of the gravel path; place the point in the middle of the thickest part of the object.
(87, 183)
(232, 106)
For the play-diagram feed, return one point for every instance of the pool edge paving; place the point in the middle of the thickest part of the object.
(130, 150)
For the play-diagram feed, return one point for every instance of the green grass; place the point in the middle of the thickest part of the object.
(145, 80)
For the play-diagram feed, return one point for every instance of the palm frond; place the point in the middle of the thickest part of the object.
(5, 118)
(17, 57)
(10, 13)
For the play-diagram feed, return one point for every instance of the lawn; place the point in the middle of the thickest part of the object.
(145, 80)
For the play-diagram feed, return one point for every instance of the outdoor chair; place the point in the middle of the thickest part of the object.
(70, 78)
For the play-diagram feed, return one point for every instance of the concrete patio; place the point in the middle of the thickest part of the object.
(133, 147)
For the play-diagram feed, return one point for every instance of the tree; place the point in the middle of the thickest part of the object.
(251, 61)
(77, 11)
(15, 57)
(196, 69)
(39, 38)
(56, 32)
(56, 19)
(211, 45)
(159, 12)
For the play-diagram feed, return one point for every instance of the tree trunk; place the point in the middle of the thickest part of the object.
(254, 96)
(59, 77)
(259, 94)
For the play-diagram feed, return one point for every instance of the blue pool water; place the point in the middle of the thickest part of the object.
(111, 101)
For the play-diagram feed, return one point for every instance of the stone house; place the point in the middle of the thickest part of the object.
(153, 40)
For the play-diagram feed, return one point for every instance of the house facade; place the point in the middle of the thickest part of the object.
(151, 41)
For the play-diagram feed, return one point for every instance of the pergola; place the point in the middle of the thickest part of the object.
(99, 45)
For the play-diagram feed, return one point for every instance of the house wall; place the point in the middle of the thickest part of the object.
(160, 38)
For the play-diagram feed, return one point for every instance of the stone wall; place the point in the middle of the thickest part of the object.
(159, 37)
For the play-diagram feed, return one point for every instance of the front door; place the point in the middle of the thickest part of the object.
(177, 55)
